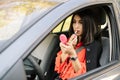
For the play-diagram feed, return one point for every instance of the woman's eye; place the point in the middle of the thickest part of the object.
(74, 21)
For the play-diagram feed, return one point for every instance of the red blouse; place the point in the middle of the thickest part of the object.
(66, 69)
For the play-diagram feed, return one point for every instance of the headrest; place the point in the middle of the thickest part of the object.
(98, 14)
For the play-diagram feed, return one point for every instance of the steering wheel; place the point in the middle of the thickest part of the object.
(36, 67)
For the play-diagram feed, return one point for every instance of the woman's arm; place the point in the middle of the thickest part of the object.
(63, 57)
(69, 50)
(79, 60)
(75, 62)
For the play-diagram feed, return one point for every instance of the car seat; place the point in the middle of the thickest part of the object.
(46, 51)
(104, 59)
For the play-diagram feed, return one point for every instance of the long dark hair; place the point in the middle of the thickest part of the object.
(90, 29)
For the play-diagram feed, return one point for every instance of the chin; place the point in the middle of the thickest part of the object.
(78, 34)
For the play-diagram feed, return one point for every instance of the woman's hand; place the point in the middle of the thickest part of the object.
(73, 40)
(67, 48)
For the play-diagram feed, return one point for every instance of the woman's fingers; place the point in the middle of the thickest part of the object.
(67, 48)
(74, 42)
(62, 45)
(72, 38)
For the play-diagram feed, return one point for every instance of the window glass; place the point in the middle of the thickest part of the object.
(58, 28)
(65, 24)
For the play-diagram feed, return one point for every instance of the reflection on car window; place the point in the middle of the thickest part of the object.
(16, 14)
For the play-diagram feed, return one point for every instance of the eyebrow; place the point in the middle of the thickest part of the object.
(79, 20)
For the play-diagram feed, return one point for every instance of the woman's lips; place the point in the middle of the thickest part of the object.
(77, 32)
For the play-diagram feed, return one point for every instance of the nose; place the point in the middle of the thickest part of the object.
(76, 25)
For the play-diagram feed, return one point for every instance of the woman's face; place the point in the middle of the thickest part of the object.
(77, 25)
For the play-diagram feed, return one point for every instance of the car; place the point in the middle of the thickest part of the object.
(29, 37)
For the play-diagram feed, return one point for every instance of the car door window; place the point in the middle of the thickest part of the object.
(51, 42)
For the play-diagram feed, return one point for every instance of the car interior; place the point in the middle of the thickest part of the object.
(41, 62)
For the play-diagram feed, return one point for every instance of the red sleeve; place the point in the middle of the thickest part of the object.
(57, 62)
(58, 65)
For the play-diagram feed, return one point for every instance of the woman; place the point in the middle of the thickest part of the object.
(83, 31)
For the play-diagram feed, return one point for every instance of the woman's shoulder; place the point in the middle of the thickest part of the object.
(94, 44)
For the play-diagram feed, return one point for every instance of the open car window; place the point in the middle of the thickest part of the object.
(109, 55)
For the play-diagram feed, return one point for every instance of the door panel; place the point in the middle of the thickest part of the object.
(16, 73)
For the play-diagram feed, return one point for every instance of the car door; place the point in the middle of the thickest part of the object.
(44, 41)
(108, 24)
(17, 72)
(111, 66)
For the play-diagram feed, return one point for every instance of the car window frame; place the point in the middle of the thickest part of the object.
(114, 41)
(95, 71)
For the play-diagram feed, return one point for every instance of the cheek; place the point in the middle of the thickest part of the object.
(74, 27)
(81, 29)
(80, 26)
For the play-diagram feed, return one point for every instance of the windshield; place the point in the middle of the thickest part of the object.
(15, 14)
